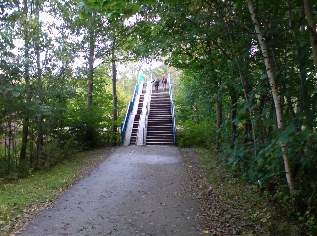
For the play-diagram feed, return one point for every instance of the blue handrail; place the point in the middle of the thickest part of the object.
(172, 107)
(129, 110)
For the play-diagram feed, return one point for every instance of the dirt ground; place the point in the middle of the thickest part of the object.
(137, 190)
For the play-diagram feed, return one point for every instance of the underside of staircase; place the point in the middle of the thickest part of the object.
(160, 123)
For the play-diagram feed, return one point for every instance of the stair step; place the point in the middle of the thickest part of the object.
(159, 109)
(159, 141)
(160, 120)
(159, 126)
(160, 112)
(166, 118)
(160, 117)
(169, 129)
(171, 137)
(160, 133)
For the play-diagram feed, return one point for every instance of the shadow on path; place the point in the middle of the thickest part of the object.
(138, 190)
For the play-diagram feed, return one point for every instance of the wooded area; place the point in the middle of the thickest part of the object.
(58, 81)
(248, 87)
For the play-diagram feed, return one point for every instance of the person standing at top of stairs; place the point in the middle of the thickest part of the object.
(164, 81)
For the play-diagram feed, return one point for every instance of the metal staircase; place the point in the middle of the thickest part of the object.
(136, 122)
(160, 123)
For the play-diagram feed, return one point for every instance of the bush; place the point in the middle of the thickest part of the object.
(194, 135)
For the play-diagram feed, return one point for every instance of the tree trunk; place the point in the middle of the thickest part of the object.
(26, 119)
(114, 91)
(280, 122)
(305, 100)
(246, 97)
(91, 63)
(39, 141)
(219, 123)
(311, 24)
(234, 101)
(9, 139)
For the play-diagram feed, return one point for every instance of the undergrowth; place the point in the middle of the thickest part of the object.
(235, 191)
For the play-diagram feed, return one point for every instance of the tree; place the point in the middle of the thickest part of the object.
(311, 23)
(276, 98)
(25, 129)
(37, 45)
(91, 59)
(222, 63)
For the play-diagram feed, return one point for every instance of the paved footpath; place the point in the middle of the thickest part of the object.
(137, 190)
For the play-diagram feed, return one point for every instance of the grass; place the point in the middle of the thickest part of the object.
(254, 205)
(20, 199)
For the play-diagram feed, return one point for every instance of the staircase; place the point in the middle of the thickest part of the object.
(137, 118)
(160, 124)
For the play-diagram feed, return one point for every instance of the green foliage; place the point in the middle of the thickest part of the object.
(245, 199)
(223, 63)
(45, 97)
(85, 129)
(194, 135)
(90, 127)
(223, 98)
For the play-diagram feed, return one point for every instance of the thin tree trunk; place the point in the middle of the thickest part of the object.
(26, 119)
(311, 21)
(39, 141)
(245, 90)
(304, 98)
(219, 123)
(305, 101)
(280, 121)
(114, 91)
(246, 97)
(234, 101)
(91, 63)
(9, 139)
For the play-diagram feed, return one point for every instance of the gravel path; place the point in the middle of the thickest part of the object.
(138, 190)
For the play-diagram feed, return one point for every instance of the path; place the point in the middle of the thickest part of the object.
(138, 190)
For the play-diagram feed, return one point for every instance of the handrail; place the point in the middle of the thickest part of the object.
(146, 122)
(142, 130)
(172, 108)
(123, 126)
(148, 107)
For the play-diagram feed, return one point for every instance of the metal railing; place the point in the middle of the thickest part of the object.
(146, 111)
(170, 92)
(142, 131)
(123, 126)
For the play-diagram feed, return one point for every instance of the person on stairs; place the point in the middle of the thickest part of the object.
(156, 84)
(164, 81)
